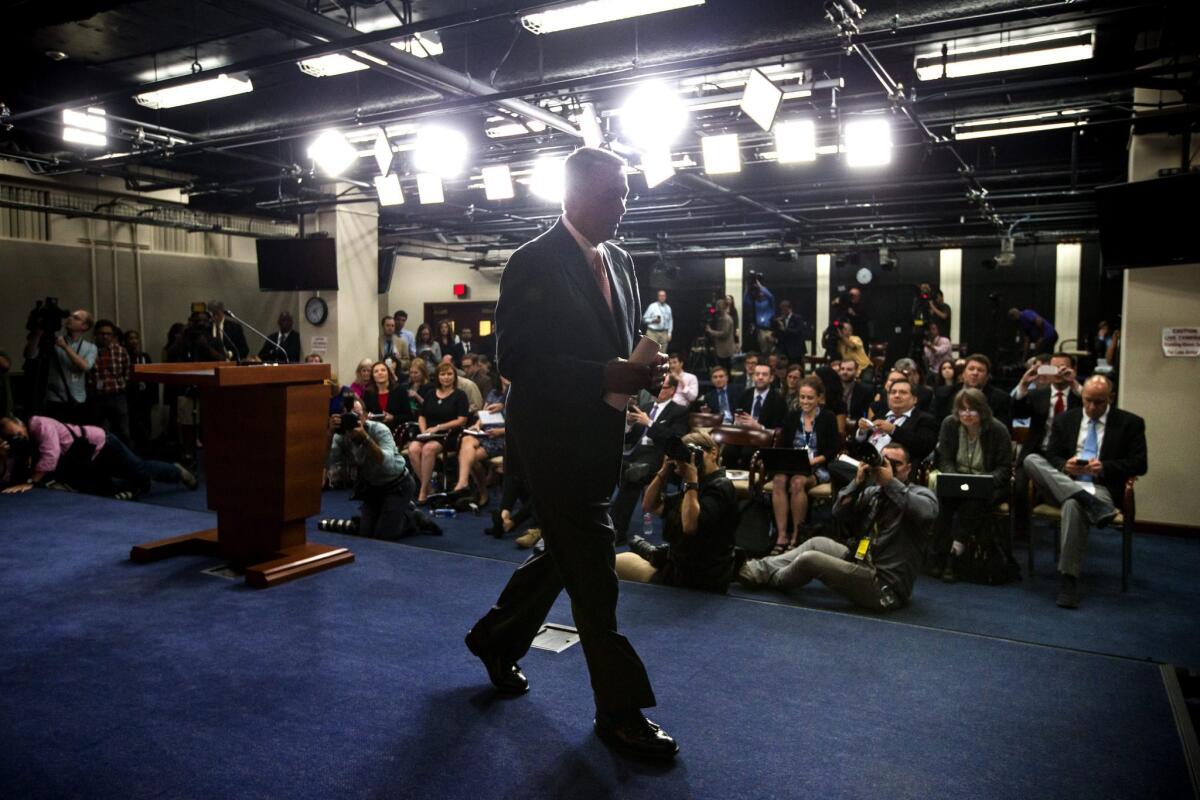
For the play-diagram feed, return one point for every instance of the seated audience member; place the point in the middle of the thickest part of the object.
(1041, 406)
(476, 372)
(937, 349)
(689, 384)
(947, 375)
(419, 384)
(851, 346)
(749, 362)
(856, 395)
(70, 357)
(362, 378)
(426, 346)
(833, 401)
(467, 387)
(142, 395)
(913, 372)
(698, 525)
(719, 399)
(384, 398)
(81, 457)
(108, 380)
(891, 520)
(792, 376)
(474, 450)
(314, 358)
(444, 410)
(648, 429)
(879, 403)
(384, 486)
(975, 375)
(1092, 451)
(808, 427)
(760, 407)
(971, 442)
(283, 345)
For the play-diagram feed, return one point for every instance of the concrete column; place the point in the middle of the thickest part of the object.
(353, 323)
(823, 298)
(1068, 257)
(950, 282)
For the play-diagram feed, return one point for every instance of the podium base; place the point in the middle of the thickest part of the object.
(286, 564)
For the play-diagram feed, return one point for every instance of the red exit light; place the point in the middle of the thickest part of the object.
(461, 290)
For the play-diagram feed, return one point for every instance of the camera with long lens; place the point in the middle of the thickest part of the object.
(678, 450)
(866, 453)
(46, 316)
(349, 417)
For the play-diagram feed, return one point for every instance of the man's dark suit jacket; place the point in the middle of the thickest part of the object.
(790, 338)
(918, 434)
(1123, 451)
(671, 421)
(570, 442)
(459, 350)
(271, 355)
(236, 339)
(860, 399)
(1036, 405)
(773, 411)
(714, 403)
(1000, 402)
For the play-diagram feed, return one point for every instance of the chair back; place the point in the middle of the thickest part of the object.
(703, 419)
(743, 437)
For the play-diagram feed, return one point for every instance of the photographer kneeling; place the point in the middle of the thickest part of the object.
(892, 520)
(698, 523)
(385, 488)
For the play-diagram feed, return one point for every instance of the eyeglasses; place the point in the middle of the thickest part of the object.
(968, 412)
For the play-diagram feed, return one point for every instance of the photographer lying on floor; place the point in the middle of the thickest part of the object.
(698, 522)
(892, 520)
(385, 487)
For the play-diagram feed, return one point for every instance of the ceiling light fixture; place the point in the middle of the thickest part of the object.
(761, 99)
(595, 12)
(332, 64)
(440, 151)
(497, 182)
(990, 54)
(657, 167)
(653, 116)
(429, 189)
(548, 178)
(1019, 123)
(198, 92)
(87, 127)
(332, 153)
(501, 127)
(382, 151)
(421, 45)
(390, 193)
(722, 154)
(589, 126)
(868, 142)
(796, 141)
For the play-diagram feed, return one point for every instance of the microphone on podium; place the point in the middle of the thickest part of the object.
(261, 335)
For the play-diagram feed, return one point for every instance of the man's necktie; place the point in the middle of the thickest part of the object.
(653, 414)
(1058, 403)
(601, 276)
(1090, 447)
(758, 404)
(724, 403)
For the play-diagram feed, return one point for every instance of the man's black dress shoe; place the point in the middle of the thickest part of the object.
(1068, 591)
(635, 735)
(505, 675)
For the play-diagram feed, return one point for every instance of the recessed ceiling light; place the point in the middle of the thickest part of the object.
(56, 55)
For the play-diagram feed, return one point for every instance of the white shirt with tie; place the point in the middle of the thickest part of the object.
(879, 439)
(653, 414)
(1055, 393)
(1101, 424)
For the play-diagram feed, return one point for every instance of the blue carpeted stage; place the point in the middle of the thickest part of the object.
(140, 681)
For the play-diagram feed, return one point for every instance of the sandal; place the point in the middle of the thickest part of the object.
(779, 549)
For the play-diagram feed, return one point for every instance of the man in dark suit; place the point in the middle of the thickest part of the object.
(229, 333)
(285, 338)
(720, 399)
(903, 423)
(1040, 406)
(1092, 452)
(571, 281)
(855, 394)
(975, 376)
(466, 344)
(760, 407)
(788, 329)
(650, 426)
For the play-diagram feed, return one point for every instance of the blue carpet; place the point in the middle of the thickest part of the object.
(145, 681)
(1156, 619)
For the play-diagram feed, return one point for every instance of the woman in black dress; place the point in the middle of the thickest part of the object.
(385, 397)
(444, 410)
(810, 427)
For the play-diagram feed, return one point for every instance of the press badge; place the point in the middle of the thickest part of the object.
(864, 544)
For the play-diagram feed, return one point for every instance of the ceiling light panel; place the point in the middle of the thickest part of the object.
(382, 150)
(657, 167)
(440, 151)
(596, 12)
(761, 99)
(497, 182)
(429, 189)
(196, 92)
(653, 116)
(868, 142)
(421, 45)
(722, 154)
(332, 153)
(1006, 52)
(796, 141)
(548, 178)
(330, 65)
(388, 187)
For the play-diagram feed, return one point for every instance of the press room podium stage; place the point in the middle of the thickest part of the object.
(264, 433)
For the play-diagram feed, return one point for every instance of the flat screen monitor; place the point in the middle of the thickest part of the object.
(1149, 223)
(289, 265)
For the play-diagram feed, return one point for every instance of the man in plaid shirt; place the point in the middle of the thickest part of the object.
(108, 379)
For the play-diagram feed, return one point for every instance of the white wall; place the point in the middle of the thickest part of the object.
(417, 281)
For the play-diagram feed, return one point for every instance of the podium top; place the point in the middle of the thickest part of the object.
(217, 374)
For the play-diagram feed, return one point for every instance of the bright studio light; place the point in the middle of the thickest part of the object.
(497, 182)
(796, 141)
(868, 142)
(984, 56)
(595, 12)
(388, 187)
(722, 154)
(440, 151)
(761, 99)
(332, 152)
(429, 188)
(382, 150)
(657, 167)
(87, 127)
(653, 117)
(198, 92)
(548, 179)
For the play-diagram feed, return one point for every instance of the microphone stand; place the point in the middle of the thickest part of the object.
(261, 335)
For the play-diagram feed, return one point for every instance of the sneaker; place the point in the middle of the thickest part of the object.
(748, 575)
(1068, 591)
(529, 538)
(186, 477)
(124, 495)
(948, 574)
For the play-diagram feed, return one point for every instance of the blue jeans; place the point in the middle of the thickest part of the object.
(128, 470)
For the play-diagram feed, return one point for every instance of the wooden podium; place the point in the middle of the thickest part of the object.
(264, 454)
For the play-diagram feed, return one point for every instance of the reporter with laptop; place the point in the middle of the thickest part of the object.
(974, 463)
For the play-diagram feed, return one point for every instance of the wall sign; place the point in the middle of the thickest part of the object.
(320, 344)
(1181, 342)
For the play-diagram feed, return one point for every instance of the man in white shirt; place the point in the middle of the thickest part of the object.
(659, 322)
(689, 384)
(401, 317)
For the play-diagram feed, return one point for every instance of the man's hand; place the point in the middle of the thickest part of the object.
(1030, 375)
(1069, 374)
(636, 416)
(883, 473)
(668, 466)
(687, 471)
(19, 488)
(860, 474)
(744, 420)
(1075, 467)
(1094, 468)
(494, 407)
(495, 433)
(623, 377)
(359, 434)
(883, 426)
(864, 424)
(61, 342)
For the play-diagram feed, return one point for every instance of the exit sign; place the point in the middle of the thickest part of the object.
(461, 291)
